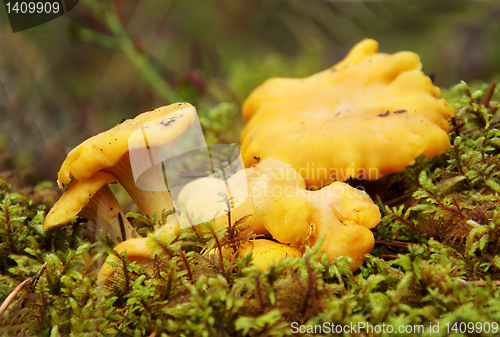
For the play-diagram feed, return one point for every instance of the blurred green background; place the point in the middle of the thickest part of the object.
(82, 73)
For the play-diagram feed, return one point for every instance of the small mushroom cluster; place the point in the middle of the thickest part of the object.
(369, 115)
(274, 199)
(117, 156)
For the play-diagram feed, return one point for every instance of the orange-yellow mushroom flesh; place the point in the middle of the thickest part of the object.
(201, 198)
(370, 115)
(92, 199)
(267, 252)
(340, 213)
(110, 151)
(139, 250)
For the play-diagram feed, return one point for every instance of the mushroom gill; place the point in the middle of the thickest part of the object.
(92, 199)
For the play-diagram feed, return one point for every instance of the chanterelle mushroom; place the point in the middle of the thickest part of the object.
(92, 199)
(267, 252)
(340, 213)
(201, 197)
(110, 151)
(139, 250)
(367, 116)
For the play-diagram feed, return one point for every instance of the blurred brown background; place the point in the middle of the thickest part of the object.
(82, 73)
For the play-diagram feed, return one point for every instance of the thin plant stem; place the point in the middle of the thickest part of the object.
(110, 18)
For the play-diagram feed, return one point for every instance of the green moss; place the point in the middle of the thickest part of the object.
(436, 261)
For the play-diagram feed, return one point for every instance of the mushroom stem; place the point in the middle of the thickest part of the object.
(103, 209)
(149, 202)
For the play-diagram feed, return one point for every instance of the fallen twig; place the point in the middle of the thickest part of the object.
(393, 243)
(398, 199)
(387, 257)
(13, 294)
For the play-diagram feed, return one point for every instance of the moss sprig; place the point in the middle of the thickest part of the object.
(436, 260)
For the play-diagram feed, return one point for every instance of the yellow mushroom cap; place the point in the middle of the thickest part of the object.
(267, 252)
(139, 250)
(201, 197)
(340, 213)
(107, 148)
(280, 203)
(369, 115)
(92, 199)
(76, 197)
(136, 249)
